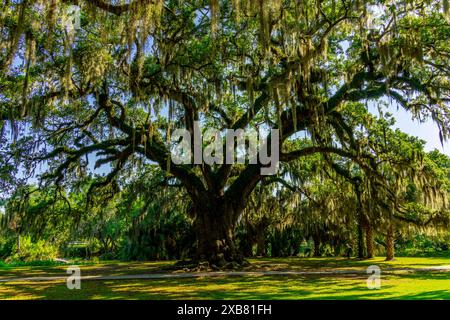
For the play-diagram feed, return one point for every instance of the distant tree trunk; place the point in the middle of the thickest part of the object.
(316, 246)
(360, 223)
(260, 242)
(360, 241)
(390, 243)
(246, 243)
(369, 241)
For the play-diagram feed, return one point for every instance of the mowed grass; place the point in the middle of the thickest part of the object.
(111, 268)
(420, 285)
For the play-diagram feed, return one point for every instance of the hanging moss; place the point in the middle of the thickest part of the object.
(446, 9)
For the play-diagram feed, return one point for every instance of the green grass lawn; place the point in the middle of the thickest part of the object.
(420, 285)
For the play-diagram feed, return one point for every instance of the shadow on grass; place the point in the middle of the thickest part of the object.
(248, 288)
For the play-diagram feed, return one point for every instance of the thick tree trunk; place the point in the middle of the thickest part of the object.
(214, 228)
(390, 243)
(369, 241)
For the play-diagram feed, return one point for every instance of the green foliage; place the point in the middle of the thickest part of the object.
(33, 251)
(424, 245)
(6, 245)
(159, 237)
(284, 243)
(76, 251)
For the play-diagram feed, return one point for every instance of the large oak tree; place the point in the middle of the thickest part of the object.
(131, 72)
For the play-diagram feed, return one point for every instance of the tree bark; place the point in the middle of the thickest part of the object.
(390, 243)
(369, 241)
(260, 242)
(360, 241)
(360, 214)
(316, 247)
(214, 226)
